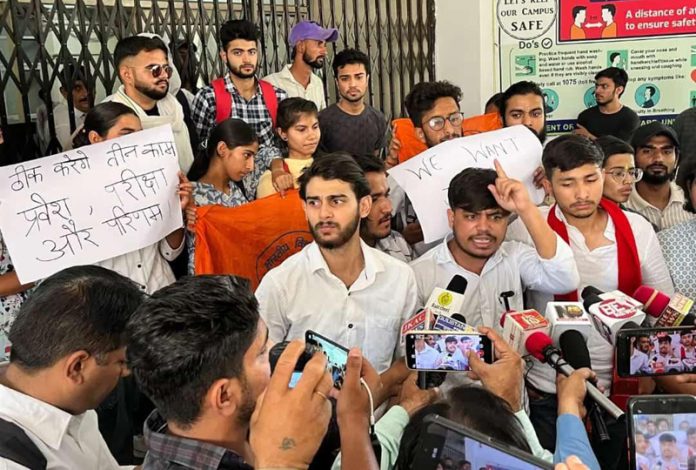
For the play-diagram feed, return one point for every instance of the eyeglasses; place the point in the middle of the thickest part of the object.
(156, 70)
(437, 123)
(620, 174)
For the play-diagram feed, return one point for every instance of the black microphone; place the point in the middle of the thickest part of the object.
(540, 346)
(575, 351)
(457, 284)
(459, 317)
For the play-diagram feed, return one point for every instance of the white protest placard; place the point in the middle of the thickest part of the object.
(90, 204)
(426, 177)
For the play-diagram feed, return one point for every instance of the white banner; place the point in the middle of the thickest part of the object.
(425, 178)
(90, 204)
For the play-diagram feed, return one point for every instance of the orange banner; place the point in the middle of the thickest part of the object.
(251, 239)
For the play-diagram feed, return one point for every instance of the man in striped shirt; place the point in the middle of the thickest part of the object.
(657, 197)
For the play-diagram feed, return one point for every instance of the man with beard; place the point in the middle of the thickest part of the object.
(656, 196)
(613, 249)
(308, 40)
(144, 70)
(338, 286)
(350, 125)
(640, 355)
(81, 102)
(609, 116)
(481, 201)
(375, 229)
(523, 104)
(252, 100)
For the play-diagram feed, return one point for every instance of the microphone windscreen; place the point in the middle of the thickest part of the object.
(630, 325)
(536, 343)
(457, 284)
(574, 349)
(689, 320)
(590, 290)
(459, 317)
(590, 300)
(654, 302)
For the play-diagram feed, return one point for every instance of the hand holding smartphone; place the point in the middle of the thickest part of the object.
(656, 351)
(445, 351)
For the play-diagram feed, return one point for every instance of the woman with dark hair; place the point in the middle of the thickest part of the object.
(148, 266)
(298, 130)
(223, 172)
(677, 242)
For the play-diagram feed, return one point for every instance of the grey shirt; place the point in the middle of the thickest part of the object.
(362, 134)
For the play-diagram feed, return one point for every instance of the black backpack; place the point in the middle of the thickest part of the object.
(16, 446)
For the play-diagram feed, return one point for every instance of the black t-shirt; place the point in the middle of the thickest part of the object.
(358, 135)
(152, 112)
(620, 124)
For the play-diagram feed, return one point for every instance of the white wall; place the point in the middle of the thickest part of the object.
(465, 51)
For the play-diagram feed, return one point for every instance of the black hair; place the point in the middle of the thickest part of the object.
(652, 90)
(233, 132)
(82, 308)
(451, 339)
(523, 87)
(422, 97)
(134, 45)
(188, 335)
(685, 179)
(494, 100)
(611, 145)
(614, 55)
(71, 74)
(664, 339)
(691, 431)
(611, 8)
(290, 109)
(237, 29)
(470, 406)
(667, 437)
(577, 10)
(336, 166)
(350, 56)
(469, 191)
(617, 75)
(370, 163)
(100, 119)
(570, 151)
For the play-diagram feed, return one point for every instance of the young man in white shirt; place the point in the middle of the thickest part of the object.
(639, 359)
(338, 286)
(481, 202)
(613, 249)
(68, 354)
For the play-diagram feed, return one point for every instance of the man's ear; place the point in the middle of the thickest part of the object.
(420, 134)
(74, 367)
(548, 187)
(225, 396)
(125, 74)
(223, 55)
(364, 206)
(450, 218)
(619, 90)
(94, 138)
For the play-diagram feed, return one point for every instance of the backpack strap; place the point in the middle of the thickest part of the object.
(16, 446)
(223, 100)
(271, 100)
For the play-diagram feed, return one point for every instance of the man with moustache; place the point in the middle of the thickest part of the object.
(609, 116)
(308, 41)
(338, 286)
(375, 229)
(252, 100)
(351, 125)
(144, 70)
(656, 196)
(620, 172)
(81, 102)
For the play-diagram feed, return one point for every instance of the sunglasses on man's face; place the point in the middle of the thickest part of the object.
(156, 70)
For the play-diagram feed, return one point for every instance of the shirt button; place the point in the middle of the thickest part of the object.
(350, 325)
(140, 266)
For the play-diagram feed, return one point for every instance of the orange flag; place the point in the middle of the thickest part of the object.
(251, 239)
(411, 145)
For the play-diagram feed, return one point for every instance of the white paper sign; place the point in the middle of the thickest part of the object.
(90, 204)
(425, 178)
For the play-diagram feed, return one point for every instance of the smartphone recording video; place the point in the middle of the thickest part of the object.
(438, 351)
(659, 351)
(336, 356)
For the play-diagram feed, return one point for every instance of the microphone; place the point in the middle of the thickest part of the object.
(575, 351)
(609, 315)
(612, 294)
(568, 316)
(448, 301)
(519, 326)
(669, 312)
(540, 346)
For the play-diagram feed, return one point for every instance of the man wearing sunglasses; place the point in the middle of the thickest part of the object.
(143, 67)
(657, 197)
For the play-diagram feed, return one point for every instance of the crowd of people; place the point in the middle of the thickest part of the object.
(183, 359)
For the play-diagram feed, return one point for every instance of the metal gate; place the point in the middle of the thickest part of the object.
(40, 40)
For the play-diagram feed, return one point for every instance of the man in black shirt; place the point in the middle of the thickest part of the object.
(609, 117)
(350, 125)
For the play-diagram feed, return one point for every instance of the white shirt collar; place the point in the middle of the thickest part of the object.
(373, 265)
(45, 421)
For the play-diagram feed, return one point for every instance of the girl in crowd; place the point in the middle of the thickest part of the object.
(148, 266)
(298, 129)
(221, 173)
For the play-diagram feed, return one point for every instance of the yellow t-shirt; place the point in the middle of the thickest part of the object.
(295, 166)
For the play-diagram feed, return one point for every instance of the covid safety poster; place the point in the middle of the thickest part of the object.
(562, 44)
